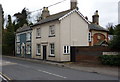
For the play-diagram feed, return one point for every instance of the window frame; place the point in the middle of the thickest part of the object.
(18, 50)
(52, 49)
(52, 29)
(66, 49)
(89, 36)
(28, 49)
(38, 32)
(37, 53)
(17, 38)
(28, 36)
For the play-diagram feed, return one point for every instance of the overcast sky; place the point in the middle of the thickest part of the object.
(108, 9)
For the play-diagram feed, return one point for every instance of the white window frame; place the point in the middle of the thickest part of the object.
(38, 32)
(66, 49)
(52, 30)
(28, 48)
(37, 53)
(52, 49)
(89, 37)
(28, 36)
(18, 48)
(18, 38)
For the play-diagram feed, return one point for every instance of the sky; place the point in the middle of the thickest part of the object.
(108, 9)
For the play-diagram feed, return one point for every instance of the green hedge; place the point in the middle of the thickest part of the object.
(113, 60)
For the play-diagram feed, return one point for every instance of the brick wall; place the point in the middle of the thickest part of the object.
(87, 53)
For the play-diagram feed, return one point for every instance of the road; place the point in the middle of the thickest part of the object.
(17, 69)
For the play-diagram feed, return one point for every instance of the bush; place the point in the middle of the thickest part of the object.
(113, 60)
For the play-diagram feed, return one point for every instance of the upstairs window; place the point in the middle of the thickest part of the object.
(18, 38)
(38, 32)
(52, 49)
(52, 31)
(89, 37)
(28, 36)
(66, 49)
(38, 51)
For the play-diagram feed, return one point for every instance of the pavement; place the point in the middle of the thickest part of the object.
(83, 66)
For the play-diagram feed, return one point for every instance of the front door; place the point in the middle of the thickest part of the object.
(44, 52)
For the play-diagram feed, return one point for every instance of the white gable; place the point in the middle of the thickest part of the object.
(75, 10)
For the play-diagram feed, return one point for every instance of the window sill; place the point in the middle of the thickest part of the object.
(17, 53)
(38, 37)
(28, 53)
(38, 55)
(51, 56)
(66, 53)
(28, 40)
(51, 36)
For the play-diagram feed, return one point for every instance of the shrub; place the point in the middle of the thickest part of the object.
(113, 60)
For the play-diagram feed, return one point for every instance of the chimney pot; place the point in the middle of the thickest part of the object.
(45, 12)
(95, 18)
(73, 4)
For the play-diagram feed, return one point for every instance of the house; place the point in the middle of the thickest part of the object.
(23, 42)
(98, 35)
(54, 34)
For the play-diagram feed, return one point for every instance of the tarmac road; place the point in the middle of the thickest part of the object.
(17, 69)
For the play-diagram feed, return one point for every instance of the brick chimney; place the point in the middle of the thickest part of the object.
(45, 12)
(95, 18)
(73, 4)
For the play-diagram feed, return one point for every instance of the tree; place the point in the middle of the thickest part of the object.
(2, 20)
(115, 43)
(110, 28)
(9, 38)
(22, 18)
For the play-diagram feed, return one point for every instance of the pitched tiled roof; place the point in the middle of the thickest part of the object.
(61, 14)
(52, 17)
(96, 27)
(23, 29)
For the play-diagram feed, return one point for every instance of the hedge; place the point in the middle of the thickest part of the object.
(113, 60)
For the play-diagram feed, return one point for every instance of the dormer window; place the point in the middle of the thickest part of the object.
(38, 32)
(52, 31)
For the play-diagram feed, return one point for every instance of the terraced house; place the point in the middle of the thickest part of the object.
(23, 41)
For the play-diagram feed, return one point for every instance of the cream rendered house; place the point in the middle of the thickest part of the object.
(53, 36)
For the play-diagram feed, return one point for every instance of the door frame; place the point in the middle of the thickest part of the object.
(44, 52)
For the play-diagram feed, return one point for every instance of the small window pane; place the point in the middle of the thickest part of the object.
(38, 49)
(52, 30)
(28, 48)
(38, 32)
(28, 36)
(89, 36)
(66, 49)
(52, 49)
